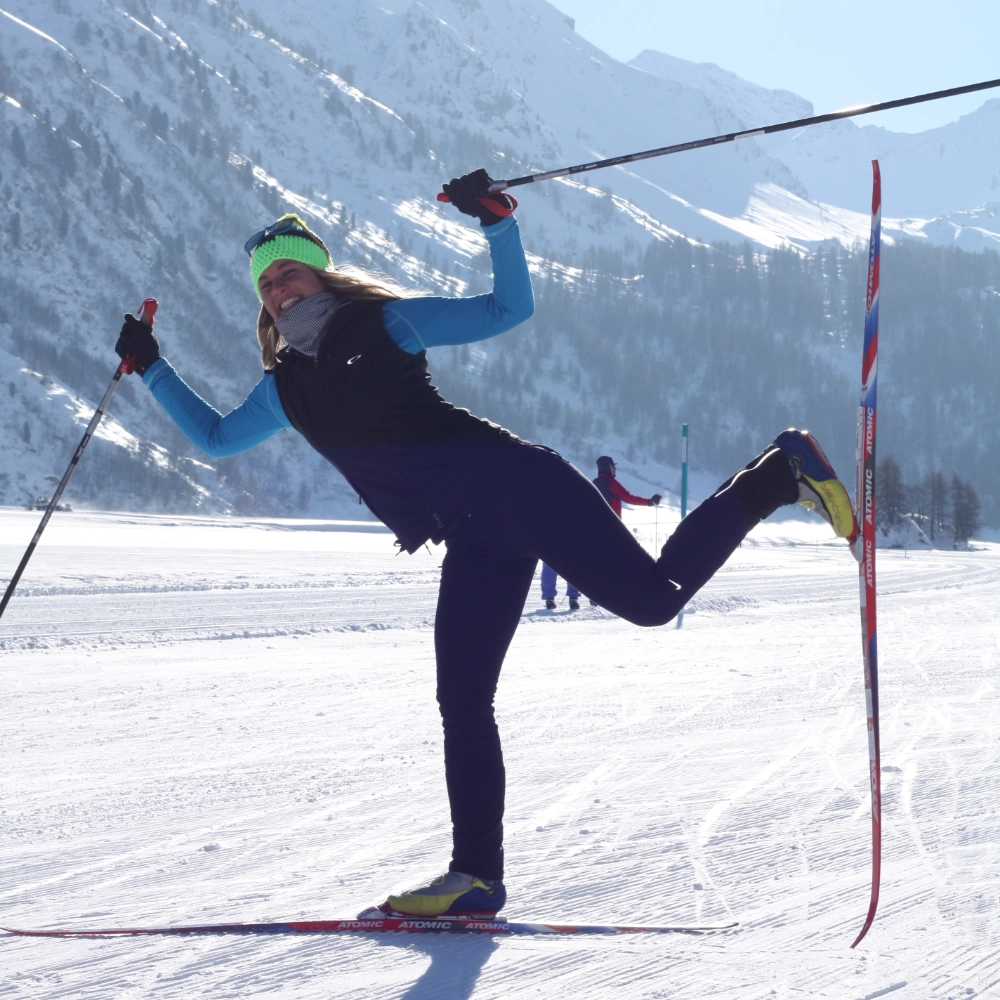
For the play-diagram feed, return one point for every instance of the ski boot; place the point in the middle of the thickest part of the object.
(550, 604)
(454, 894)
(574, 604)
(819, 488)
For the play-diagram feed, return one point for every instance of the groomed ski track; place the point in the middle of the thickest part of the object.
(264, 746)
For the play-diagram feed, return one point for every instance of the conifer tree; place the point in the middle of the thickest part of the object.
(917, 498)
(891, 492)
(965, 510)
(937, 492)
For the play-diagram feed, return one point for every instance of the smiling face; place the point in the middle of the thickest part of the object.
(285, 283)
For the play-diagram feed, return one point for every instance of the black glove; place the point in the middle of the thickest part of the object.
(465, 191)
(137, 340)
(654, 500)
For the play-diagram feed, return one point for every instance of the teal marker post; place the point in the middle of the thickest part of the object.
(684, 471)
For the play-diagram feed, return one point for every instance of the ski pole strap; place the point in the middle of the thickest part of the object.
(496, 206)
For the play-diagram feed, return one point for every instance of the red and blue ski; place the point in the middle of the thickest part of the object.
(865, 544)
(418, 925)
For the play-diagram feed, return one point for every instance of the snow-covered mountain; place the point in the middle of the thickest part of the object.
(949, 173)
(750, 104)
(142, 141)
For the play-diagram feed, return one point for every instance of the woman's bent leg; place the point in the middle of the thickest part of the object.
(483, 590)
(573, 529)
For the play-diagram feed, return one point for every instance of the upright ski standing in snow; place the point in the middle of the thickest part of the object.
(865, 543)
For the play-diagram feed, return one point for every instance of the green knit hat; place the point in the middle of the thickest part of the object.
(289, 246)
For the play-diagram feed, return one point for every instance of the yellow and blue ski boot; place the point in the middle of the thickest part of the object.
(819, 488)
(454, 894)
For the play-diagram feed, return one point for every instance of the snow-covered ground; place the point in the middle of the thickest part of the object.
(234, 720)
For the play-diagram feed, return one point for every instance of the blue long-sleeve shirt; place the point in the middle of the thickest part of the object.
(415, 324)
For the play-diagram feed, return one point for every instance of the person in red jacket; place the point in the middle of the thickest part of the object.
(614, 492)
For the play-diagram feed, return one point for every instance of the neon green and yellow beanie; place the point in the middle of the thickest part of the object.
(289, 246)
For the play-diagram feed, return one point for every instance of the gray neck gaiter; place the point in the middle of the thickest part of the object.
(302, 325)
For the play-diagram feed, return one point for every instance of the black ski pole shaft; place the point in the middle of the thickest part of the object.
(146, 313)
(749, 133)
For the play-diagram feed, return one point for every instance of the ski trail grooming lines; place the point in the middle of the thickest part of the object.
(418, 925)
(748, 133)
(146, 313)
(864, 548)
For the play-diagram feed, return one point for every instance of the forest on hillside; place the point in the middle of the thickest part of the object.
(741, 344)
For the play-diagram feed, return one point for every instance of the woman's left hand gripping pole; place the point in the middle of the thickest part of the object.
(146, 313)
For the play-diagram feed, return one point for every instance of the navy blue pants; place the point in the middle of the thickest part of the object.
(485, 579)
(550, 579)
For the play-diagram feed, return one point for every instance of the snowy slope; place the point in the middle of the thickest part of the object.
(929, 174)
(264, 745)
(146, 149)
(143, 141)
(525, 80)
(948, 173)
(751, 104)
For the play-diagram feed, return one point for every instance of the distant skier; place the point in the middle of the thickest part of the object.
(614, 492)
(345, 365)
(550, 580)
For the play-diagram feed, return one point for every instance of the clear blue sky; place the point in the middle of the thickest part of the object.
(835, 55)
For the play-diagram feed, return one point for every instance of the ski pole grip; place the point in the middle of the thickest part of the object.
(147, 315)
(495, 206)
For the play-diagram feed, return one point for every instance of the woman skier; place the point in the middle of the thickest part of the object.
(345, 365)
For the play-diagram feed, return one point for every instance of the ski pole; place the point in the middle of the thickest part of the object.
(146, 313)
(748, 133)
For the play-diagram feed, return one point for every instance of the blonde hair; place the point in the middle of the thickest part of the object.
(349, 282)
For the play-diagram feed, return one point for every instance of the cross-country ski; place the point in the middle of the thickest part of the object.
(453, 595)
(383, 925)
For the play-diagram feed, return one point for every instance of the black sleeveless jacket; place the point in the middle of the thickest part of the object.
(367, 406)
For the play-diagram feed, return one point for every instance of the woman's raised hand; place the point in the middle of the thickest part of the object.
(471, 195)
(137, 340)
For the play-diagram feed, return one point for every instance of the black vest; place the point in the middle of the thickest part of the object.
(367, 406)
